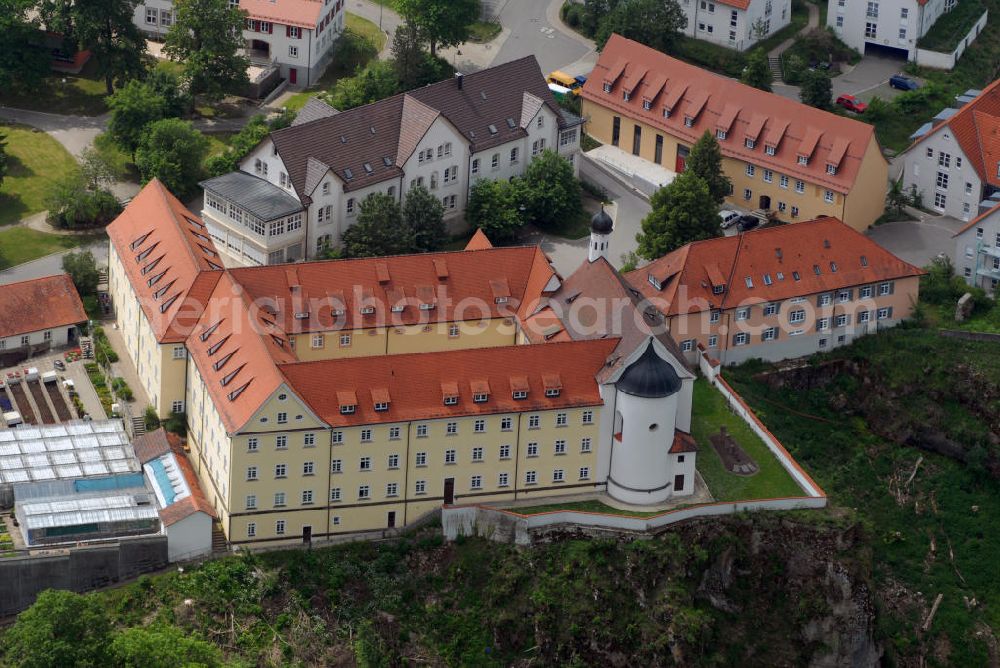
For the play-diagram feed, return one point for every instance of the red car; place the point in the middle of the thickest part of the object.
(852, 103)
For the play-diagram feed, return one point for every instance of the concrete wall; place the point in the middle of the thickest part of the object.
(190, 537)
(79, 569)
(946, 61)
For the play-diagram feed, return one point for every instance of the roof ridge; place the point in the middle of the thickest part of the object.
(975, 220)
(960, 113)
(169, 199)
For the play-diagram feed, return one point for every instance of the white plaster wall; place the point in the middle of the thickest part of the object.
(440, 133)
(921, 170)
(641, 460)
(974, 255)
(60, 336)
(190, 537)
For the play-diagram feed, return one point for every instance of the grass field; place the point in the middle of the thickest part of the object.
(21, 244)
(709, 413)
(81, 94)
(34, 160)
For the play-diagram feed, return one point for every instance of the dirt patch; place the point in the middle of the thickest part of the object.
(734, 458)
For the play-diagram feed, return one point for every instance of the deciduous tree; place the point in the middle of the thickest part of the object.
(3, 157)
(424, 213)
(494, 208)
(133, 107)
(23, 61)
(376, 81)
(758, 73)
(172, 151)
(162, 647)
(705, 160)
(60, 629)
(816, 89)
(380, 229)
(106, 28)
(655, 23)
(207, 37)
(444, 22)
(549, 191)
(683, 211)
(82, 268)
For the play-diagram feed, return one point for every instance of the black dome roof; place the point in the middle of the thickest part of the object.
(601, 222)
(649, 376)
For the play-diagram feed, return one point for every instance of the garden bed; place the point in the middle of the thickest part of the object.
(952, 27)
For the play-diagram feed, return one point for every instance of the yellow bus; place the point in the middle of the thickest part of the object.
(560, 78)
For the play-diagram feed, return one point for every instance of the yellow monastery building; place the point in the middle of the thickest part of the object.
(336, 397)
(786, 158)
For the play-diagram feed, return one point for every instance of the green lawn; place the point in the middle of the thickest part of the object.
(218, 142)
(366, 29)
(20, 244)
(34, 160)
(583, 506)
(710, 412)
(481, 32)
(952, 27)
(62, 93)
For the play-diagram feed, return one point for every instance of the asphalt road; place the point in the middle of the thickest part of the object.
(51, 264)
(532, 33)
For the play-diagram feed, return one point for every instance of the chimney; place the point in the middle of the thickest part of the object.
(458, 78)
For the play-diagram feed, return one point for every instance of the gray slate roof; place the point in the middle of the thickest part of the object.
(261, 198)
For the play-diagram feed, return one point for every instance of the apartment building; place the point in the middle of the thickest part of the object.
(977, 250)
(956, 165)
(885, 26)
(295, 36)
(778, 292)
(737, 24)
(37, 315)
(299, 190)
(787, 159)
(336, 397)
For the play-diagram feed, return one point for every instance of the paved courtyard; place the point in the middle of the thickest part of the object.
(918, 241)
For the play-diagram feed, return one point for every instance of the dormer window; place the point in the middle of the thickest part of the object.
(749, 143)
(688, 122)
(749, 281)
(864, 261)
(304, 315)
(720, 134)
(666, 114)
(519, 387)
(367, 310)
(347, 409)
(520, 394)
(607, 87)
(655, 283)
(480, 398)
(348, 402)
(552, 384)
(831, 169)
(646, 105)
(382, 406)
(552, 392)
(833, 267)
(500, 300)
(718, 289)
(450, 401)
(768, 149)
(398, 308)
(427, 306)
(803, 160)
(626, 95)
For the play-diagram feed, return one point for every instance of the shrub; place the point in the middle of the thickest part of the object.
(151, 419)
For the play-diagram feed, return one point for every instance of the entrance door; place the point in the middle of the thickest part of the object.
(616, 130)
(678, 483)
(293, 75)
(307, 535)
(682, 154)
(449, 491)
(765, 202)
(392, 519)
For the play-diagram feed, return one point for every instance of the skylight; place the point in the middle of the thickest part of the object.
(368, 168)
(493, 129)
(348, 174)
(387, 161)
(510, 123)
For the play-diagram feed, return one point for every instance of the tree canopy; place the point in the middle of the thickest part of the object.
(549, 190)
(23, 63)
(207, 37)
(424, 214)
(380, 229)
(655, 23)
(816, 89)
(444, 22)
(133, 107)
(82, 268)
(758, 73)
(61, 629)
(162, 647)
(494, 208)
(172, 151)
(3, 157)
(705, 160)
(683, 211)
(105, 27)
(376, 81)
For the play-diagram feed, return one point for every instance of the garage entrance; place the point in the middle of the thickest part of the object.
(886, 51)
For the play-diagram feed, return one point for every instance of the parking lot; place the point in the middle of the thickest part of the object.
(40, 402)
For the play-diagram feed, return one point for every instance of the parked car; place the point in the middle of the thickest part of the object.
(59, 366)
(566, 81)
(903, 82)
(747, 222)
(729, 218)
(852, 103)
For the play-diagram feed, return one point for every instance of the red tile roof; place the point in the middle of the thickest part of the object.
(170, 260)
(300, 13)
(39, 304)
(975, 221)
(189, 505)
(976, 127)
(683, 443)
(479, 241)
(331, 293)
(416, 381)
(770, 258)
(151, 445)
(710, 98)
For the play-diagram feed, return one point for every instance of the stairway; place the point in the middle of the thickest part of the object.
(219, 542)
(138, 427)
(87, 348)
(775, 64)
